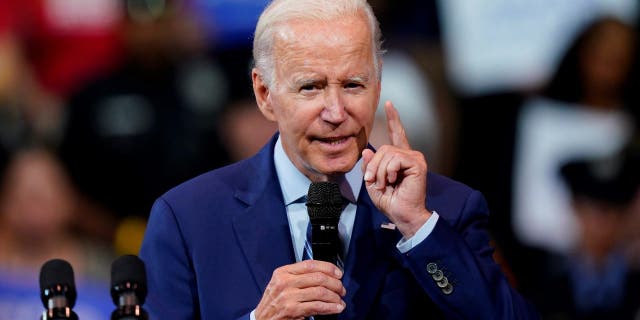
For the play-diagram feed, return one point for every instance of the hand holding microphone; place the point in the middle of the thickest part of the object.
(311, 287)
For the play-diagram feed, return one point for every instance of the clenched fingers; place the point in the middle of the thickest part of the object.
(390, 164)
(302, 289)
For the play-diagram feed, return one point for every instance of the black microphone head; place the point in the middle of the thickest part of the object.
(56, 279)
(324, 200)
(128, 274)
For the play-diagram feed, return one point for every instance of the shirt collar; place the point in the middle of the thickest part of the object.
(295, 185)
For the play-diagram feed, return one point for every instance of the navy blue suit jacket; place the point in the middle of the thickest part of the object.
(213, 243)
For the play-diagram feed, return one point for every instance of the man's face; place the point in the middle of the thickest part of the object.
(325, 94)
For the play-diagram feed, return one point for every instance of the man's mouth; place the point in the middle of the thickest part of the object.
(334, 140)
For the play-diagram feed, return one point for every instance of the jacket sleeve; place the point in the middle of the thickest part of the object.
(455, 267)
(170, 275)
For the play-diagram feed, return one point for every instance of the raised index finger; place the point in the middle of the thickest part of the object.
(396, 130)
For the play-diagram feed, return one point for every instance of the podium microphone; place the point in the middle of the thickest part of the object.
(128, 288)
(57, 290)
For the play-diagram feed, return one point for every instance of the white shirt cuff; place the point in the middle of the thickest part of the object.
(405, 245)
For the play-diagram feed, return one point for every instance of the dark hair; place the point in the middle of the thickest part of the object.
(566, 84)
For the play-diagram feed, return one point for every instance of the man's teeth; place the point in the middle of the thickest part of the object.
(334, 141)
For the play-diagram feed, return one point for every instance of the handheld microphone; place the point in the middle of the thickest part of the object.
(57, 290)
(324, 205)
(128, 288)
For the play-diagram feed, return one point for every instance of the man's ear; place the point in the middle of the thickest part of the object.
(263, 95)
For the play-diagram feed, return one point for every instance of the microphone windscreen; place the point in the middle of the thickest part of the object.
(129, 269)
(324, 198)
(57, 273)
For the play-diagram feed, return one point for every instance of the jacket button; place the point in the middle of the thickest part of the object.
(438, 275)
(443, 283)
(432, 268)
(448, 289)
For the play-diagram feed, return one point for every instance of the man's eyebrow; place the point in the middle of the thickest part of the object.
(306, 80)
(358, 78)
(310, 79)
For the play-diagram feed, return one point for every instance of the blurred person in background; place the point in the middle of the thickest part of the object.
(148, 124)
(583, 113)
(596, 279)
(48, 48)
(37, 213)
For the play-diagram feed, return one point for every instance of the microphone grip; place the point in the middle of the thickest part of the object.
(325, 241)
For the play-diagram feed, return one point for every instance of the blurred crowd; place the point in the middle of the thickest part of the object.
(105, 105)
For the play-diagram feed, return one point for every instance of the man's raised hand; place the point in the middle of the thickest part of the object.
(395, 177)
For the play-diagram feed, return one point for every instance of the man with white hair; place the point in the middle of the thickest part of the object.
(229, 244)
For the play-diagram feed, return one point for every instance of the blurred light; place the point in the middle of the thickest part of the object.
(85, 15)
(228, 23)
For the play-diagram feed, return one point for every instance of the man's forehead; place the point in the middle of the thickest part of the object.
(295, 30)
(347, 62)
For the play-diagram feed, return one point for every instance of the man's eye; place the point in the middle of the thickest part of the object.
(308, 87)
(353, 85)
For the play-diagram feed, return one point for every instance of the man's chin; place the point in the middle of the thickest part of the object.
(334, 168)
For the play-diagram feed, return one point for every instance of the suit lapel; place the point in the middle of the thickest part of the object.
(370, 251)
(262, 229)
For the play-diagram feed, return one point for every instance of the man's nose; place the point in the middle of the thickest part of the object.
(334, 107)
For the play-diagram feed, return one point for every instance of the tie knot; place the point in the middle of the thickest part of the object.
(302, 199)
